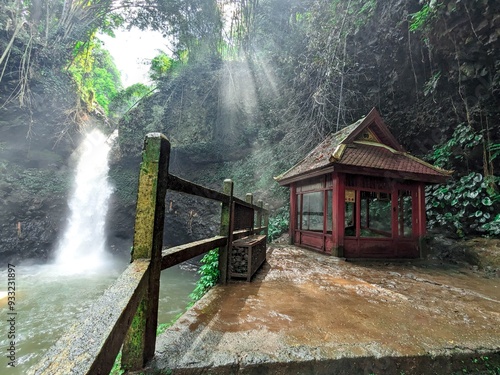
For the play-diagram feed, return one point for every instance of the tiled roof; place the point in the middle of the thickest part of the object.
(383, 158)
(343, 149)
(320, 156)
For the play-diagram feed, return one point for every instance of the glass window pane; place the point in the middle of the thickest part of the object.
(350, 222)
(375, 214)
(405, 213)
(299, 208)
(312, 215)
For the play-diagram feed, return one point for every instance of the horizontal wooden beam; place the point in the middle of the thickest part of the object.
(179, 254)
(92, 344)
(246, 232)
(187, 187)
(246, 204)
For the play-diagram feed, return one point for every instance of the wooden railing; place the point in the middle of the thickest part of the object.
(126, 315)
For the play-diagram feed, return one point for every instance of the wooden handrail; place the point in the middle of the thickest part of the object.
(188, 187)
(127, 312)
(179, 254)
(92, 344)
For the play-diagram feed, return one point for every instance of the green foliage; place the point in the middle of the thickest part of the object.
(209, 272)
(95, 74)
(457, 148)
(422, 19)
(278, 223)
(481, 365)
(116, 369)
(468, 205)
(431, 85)
(126, 99)
(163, 65)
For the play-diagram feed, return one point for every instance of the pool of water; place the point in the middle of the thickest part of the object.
(48, 301)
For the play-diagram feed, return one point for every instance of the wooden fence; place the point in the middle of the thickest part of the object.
(127, 313)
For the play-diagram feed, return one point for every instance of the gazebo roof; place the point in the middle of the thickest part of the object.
(365, 147)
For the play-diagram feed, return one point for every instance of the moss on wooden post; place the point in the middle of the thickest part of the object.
(226, 231)
(139, 345)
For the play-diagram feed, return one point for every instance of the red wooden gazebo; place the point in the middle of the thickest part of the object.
(358, 194)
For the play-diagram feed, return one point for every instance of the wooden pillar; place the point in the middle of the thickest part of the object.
(293, 214)
(266, 219)
(259, 214)
(394, 219)
(249, 198)
(226, 230)
(338, 214)
(420, 229)
(140, 341)
(421, 211)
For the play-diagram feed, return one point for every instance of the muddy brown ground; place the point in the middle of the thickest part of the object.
(309, 313)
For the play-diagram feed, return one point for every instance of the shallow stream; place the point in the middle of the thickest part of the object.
(48, 301)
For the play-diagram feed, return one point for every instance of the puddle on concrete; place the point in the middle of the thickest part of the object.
(314, 300)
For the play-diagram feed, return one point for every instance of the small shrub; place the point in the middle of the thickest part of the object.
(209, 272)
(278, 223)
(467, 205)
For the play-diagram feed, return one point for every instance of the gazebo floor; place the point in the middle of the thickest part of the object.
(309, 313)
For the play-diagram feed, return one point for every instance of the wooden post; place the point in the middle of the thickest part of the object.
(421, 228)
(266, 219)
(249, 198)
(259, 214)
(140, 341)
(338, 214)
(227, 231)
(294, 210)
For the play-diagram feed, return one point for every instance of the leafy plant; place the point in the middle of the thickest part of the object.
(431, 85)
(419, 20)
(209, 272)
(94, 73)
(278, 224)
(467, 205)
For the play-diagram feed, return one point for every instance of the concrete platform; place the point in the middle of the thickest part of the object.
(308, 313)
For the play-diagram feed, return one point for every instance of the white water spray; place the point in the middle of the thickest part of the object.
(82, 246)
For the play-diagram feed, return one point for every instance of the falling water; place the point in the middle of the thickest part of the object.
(82, 246)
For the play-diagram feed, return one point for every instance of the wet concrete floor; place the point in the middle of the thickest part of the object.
(309, 313)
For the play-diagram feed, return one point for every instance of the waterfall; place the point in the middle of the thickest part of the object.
(82, 247)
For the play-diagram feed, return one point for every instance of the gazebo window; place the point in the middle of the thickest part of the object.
(314, 204)
(375, 214)
(350, 219)
(312, 211)
(405, 213)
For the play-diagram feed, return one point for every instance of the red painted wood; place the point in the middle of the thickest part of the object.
(338, 206)
(328, 244)
(394, 212)
(422, 225)
(357, 247)
(312, 239)
(293, 212)
(358, 213)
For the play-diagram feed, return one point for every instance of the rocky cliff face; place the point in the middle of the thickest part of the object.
(428, 80)
(36, 165)
(424, 82)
